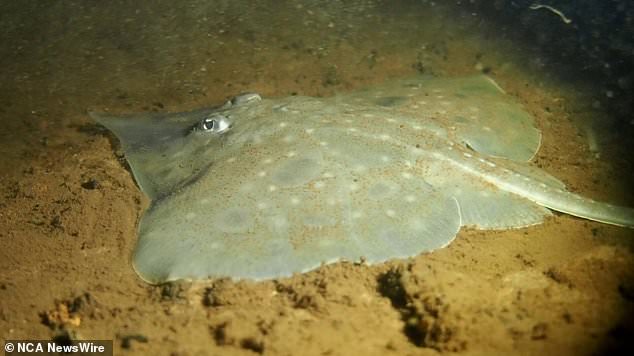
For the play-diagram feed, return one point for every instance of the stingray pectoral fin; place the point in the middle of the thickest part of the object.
(179, 241)
(477, 110)
(401, 217)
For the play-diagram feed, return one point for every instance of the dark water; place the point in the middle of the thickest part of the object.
(90, 53)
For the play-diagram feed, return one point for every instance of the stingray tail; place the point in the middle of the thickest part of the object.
(576, 205)
(547, 191)
(559, 199)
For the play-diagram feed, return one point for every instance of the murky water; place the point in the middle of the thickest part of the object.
(68, 202)
(65, 56)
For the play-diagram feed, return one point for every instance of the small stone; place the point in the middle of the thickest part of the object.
(90, 184)
(539, 331)
(126, 341)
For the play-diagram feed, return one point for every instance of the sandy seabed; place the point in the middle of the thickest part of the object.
(70, 208)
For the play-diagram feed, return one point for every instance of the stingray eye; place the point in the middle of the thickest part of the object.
(215, 123)
(208, 124)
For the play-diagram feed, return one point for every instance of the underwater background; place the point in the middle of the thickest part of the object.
(69, 206)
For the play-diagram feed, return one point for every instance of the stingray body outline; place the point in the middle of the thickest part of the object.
(381, 173)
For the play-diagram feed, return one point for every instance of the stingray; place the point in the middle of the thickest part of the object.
(265, 188)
